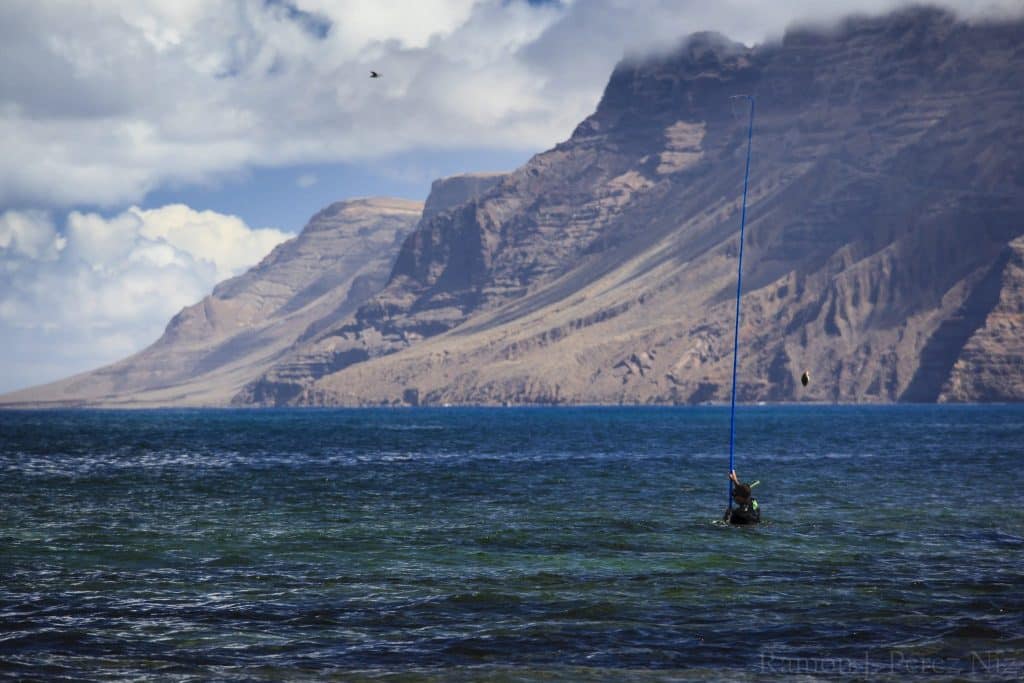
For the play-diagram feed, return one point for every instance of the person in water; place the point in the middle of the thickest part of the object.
(747, 510)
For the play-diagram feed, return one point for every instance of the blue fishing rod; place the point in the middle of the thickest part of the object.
(739, 291)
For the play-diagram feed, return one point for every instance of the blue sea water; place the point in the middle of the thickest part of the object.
(511, 544)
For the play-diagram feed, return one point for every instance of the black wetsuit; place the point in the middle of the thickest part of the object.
(748, 513)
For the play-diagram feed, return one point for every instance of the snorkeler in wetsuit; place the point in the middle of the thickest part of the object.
(748, 511)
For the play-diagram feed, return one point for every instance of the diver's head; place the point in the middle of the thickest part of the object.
(741, 493)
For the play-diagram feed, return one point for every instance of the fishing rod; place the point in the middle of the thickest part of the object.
(739, 290)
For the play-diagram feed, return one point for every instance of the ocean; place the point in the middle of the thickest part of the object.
(513, 544)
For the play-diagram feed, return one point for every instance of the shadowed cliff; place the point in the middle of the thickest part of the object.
(886, 189)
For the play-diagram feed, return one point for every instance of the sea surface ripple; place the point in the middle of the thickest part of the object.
(511, 544)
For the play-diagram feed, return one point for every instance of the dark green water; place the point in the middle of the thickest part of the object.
(533, 544)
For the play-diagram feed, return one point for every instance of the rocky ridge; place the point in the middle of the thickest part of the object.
(884, 249)
(886, 191)
(210, 350)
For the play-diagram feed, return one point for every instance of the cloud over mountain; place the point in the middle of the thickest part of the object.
(104, 287)
(100, 103)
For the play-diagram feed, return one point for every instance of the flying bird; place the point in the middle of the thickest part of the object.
(805, 378)
(374, 74)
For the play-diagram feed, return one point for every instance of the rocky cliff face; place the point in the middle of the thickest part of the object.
(886, 195)
(209, 351)
(990, 364)
(883, 253)
(446, 193)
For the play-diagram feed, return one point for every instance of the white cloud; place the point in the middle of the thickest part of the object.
(107, 287)
(102, 102)
(225, 241)
(306, 180)
(29, 234)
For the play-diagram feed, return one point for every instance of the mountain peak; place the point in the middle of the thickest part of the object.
(451, 191)
(602, 270)
(211, 349)
(350, 208)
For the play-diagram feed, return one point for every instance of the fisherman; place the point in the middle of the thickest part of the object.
(747, 511)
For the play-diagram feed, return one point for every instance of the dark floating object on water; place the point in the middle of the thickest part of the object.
(805, 378)
(374, 74)
(743, 516)
(747, 510)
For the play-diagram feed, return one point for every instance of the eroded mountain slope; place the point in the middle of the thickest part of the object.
(213, 348)
(886, 189)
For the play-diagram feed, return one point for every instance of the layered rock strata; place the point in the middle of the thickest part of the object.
(883, 253)
(886, 194)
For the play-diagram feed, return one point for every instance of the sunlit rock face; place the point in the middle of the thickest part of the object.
(210, 350)
(883, 252)
(886, 189)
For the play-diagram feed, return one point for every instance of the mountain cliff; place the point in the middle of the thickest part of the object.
(884, 248)
(212, 349)
(886, 195)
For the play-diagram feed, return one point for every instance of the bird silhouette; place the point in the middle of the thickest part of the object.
(805, 378)
(374, 74)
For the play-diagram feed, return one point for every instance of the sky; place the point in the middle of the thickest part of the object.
(150, 149)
